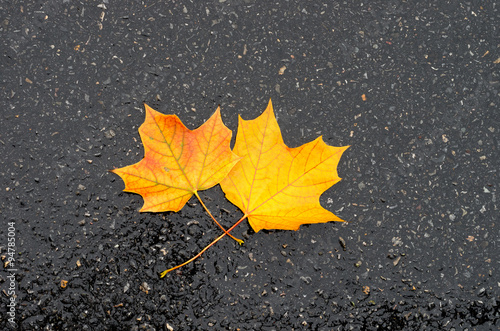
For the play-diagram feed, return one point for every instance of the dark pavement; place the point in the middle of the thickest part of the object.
(412, 86)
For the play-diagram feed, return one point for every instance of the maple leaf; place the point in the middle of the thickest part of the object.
(178, 162)
(278, 187)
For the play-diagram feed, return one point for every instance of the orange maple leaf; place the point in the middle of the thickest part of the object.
(278, 187)
(178, 162)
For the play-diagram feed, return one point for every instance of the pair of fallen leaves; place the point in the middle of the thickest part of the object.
(275, 186)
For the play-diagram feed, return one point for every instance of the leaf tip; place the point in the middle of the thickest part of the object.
(217, 111)
(217, 115)
(269, 107)
(240, 120)
(150, 112)
(344, 148)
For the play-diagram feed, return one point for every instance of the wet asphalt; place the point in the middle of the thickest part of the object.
(412, 86)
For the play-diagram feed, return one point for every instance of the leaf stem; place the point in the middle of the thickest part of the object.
(204, 249)
(220, 226)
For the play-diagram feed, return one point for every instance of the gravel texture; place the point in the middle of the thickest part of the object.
(412, 86)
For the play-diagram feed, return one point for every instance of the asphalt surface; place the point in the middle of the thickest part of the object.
(412, 86)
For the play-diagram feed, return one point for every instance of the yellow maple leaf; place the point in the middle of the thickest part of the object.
(278, 187)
